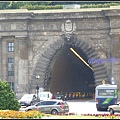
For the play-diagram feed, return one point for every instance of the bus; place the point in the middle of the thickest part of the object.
(105, 95)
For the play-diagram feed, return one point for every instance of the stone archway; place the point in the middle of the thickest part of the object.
(50, 49)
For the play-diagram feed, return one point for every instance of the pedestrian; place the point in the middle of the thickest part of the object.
(62, 97)
(53, 96)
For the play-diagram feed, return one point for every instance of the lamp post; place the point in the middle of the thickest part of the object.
(37, 87)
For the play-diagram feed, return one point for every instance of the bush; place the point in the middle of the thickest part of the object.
(8, 100)
(21, 114)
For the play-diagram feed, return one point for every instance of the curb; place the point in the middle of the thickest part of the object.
(65, 114)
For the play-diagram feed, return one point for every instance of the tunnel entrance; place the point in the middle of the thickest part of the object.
(61, 71)
(70, 74)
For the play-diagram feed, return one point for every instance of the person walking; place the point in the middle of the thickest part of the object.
(53, 96)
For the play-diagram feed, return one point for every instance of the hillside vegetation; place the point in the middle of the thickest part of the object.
(38, 5)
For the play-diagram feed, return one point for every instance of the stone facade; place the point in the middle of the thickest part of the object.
(38, 35)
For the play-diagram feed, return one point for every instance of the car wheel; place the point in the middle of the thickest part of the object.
(54, 112)
(111, 111)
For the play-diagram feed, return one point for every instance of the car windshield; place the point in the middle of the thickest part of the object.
(27, 97)
(43, 95)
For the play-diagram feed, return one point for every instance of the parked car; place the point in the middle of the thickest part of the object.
(60, 97)
(28, 99)
(53, 106)
(114, 108)
(46, 95)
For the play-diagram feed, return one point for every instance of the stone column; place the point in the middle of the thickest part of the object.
(21, 60)
(30, 63)
(4, 58)
(116, 61)
(16, 59)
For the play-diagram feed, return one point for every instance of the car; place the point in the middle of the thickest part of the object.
(60, 96)
(46, 95)
(114, 108)
(53, 106)
(28, 99)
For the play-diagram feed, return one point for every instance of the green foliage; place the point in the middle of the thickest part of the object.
(8, 100)
(105, 5)
(41, 7)
(46, 5)
(3, 5)
(40, 3)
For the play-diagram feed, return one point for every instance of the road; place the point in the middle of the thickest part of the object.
(86, 106)
(80, 106)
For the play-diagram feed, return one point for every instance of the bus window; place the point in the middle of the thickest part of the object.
(105, 92)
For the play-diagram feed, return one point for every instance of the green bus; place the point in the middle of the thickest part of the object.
(105, 95)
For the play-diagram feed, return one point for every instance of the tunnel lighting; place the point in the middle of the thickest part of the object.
(80, 58)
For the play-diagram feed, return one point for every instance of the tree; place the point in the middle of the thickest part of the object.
(3, 5)
(8, 100)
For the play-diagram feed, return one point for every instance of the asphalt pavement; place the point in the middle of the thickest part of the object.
(82, 100)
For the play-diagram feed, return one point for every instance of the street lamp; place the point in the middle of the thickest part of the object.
(37, 87)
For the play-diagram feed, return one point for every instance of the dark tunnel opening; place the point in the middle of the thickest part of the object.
(70, 73)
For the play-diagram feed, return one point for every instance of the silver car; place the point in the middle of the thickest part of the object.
(114, 108)
(53, 106)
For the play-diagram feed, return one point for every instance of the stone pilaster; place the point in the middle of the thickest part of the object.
(4, 58)
(22, 64)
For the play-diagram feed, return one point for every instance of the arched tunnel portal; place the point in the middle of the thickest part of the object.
(69, 73)
(61, 70)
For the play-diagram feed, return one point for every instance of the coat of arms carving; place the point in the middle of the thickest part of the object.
(68, 26)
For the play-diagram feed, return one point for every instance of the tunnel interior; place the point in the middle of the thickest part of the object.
(69, 73)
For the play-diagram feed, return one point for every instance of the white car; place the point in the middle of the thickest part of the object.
(28, 99)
